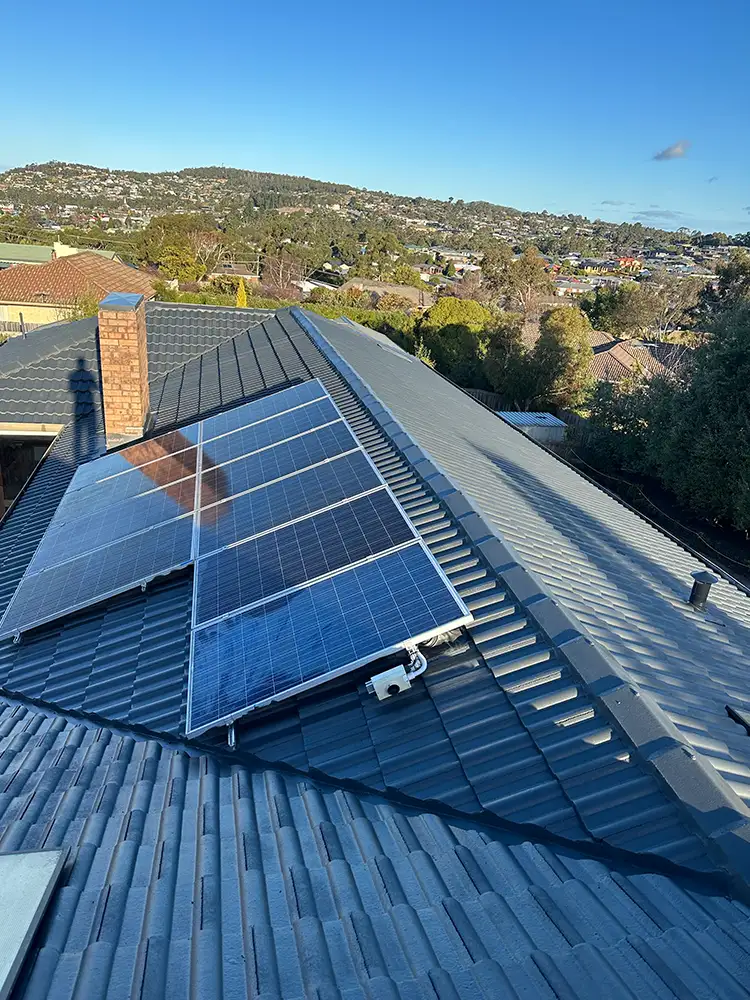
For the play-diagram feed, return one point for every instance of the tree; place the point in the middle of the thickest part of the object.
(405, 275)
(450, 270)
(732, 285)
(507, 364)
(562, 356)
(700, 430)
(521, 283)
(241, 300)
(454, 331)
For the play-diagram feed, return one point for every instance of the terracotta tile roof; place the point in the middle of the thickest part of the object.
(616, 361)
(66, 279)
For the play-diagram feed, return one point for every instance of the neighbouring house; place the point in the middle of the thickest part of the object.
(554, 804)
(44, 293)
(615, 360)
(572, 287)
(247, 270)
(12, 254)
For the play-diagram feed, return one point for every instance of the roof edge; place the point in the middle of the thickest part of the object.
(689, 779)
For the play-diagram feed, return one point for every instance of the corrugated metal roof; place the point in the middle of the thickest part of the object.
(530, 419)
(197, 876)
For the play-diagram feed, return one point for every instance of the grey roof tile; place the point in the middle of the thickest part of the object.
(504, 727)
(180, 862)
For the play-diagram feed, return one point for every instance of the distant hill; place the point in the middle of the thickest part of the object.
(65, 192)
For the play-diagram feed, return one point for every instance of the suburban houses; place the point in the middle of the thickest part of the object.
(42, 293)
(549, 800)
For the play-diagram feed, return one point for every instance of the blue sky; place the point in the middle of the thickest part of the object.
(534, 105)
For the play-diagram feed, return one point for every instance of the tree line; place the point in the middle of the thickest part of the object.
(690, 431)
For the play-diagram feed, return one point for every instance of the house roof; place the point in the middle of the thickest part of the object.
(620, 359)
(532, 736)
(61, 281)
(521, 419)
(22, 253)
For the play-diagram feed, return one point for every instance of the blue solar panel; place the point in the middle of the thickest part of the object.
(135, 456)
(298, 553)
(260, 409)
(269, 432)
(285, 500)
(313, 634)
(65, 540)
(102, 495)
(92, 577)
(273, 463)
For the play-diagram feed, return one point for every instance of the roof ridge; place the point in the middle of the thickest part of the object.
(485, 820)
(655, 739)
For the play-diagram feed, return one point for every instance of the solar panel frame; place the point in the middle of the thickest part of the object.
(463, 617)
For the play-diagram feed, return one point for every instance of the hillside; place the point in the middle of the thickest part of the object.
(69, 193)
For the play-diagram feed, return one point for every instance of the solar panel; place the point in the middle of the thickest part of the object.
(269, 432)
(283, 500)
(305, 564)
(64, 539)
(89, 578)
(260, 409)
(316, 633)
(273, 463)
(135, 456)
(299, 552)
(101, 495)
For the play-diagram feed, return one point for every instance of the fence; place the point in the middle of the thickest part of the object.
(13, 329)
(492, 399)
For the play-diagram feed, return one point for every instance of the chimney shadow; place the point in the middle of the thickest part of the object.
(82, 387)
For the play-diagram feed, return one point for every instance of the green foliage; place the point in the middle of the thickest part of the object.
(455, 332)
(519, 283)
(241, 298)
(732, 286)
(405, 275)
(561, 357)
(83, 307)
(692, 433)
(450, 270)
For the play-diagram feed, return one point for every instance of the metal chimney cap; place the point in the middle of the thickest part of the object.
(703, 576)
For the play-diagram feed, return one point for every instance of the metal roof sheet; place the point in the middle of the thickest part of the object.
(530, 419)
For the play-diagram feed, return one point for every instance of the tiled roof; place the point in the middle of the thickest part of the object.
(63, 280)
(200, 876)
(524, 738)
(620, 359)
(622, 580)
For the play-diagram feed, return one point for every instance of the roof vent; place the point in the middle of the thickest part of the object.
(703, 583)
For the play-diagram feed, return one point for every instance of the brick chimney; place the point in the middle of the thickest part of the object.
(123, 363)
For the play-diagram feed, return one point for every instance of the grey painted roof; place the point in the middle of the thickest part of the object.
(622, 580)
(525, 723)
(199, 876)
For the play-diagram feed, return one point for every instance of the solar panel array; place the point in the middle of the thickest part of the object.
(305, 565)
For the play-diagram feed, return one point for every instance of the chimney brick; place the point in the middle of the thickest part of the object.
(123, 360)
